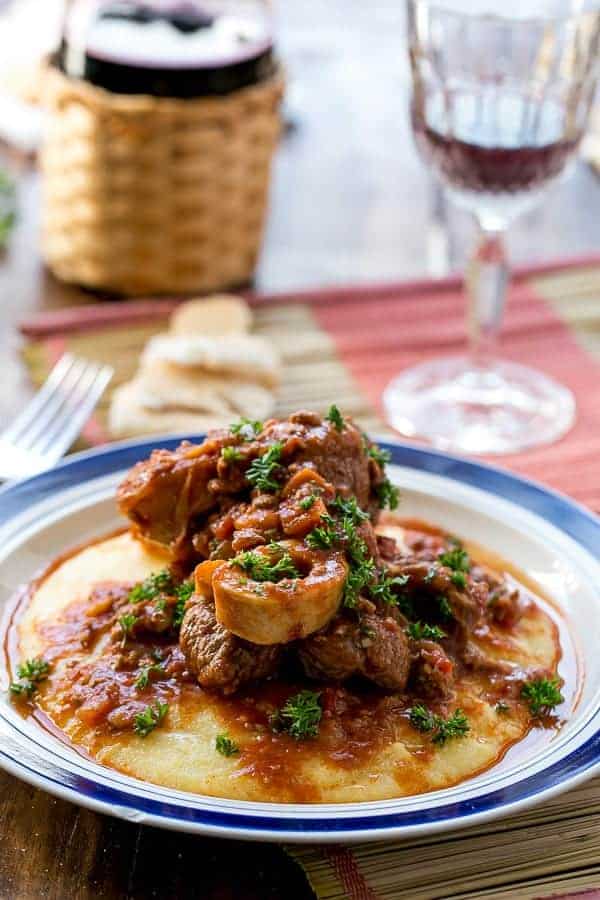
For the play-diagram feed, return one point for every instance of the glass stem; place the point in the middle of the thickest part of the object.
(486, 281)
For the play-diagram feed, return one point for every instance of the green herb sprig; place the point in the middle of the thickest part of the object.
(126, 623)
(421, 631)
(335, 417)
(143, 679)
(230, 454)
(388, 494)
(542, 695)
(226, 746)
(441, 730)
(183, 592)
(259, 568)
(150, 718)
(152, 587)
(260, 472)
(300, 716)
(246, 429)
(30, 673)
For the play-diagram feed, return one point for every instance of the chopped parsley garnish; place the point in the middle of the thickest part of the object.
(225, 746)
(502, 708)
(143, 679)
(152, 587)
(246, 429)
(456, 559)
(350, 509)
(542, 695)
(259, 568)
(421, 631)
(379, 455)
(335, 417)
(183, 592)
(458, 579)
(323, 536)
(147, 721)
(360, 575)
(30, 673)
(444, 608)
(300, 716)
(126, 623)
(308, 502)
(442, 730)
(387, 494)
(230, 454)
(383, 590)
(260, 472)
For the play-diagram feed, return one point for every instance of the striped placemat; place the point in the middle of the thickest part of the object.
(342, 346)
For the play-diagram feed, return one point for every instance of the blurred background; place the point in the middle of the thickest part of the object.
(350, 199)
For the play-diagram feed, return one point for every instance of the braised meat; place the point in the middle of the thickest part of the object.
(431, 669)
(278, 524)
(371, 645)
(217, 657)
(169, 497)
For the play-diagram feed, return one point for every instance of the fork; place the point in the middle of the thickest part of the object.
(43, 432)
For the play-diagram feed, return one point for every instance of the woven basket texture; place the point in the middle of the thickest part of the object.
(149, 195)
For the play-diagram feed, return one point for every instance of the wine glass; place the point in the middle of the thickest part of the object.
(499, 106)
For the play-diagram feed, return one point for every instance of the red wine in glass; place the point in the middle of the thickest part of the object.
(503, 145)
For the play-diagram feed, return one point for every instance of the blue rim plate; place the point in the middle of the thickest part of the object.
(517, 506)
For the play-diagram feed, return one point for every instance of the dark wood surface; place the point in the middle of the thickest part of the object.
(350, 202)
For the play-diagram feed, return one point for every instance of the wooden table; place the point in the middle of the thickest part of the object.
(350, 202)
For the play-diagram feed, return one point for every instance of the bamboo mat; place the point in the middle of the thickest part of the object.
(342, 346)
(313, 375)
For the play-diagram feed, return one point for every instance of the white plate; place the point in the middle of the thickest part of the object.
(547, 535)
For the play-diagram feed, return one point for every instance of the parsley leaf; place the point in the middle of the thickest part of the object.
(230, 454)
(456, 726)
(246, 429)
(350, 509)
(420, 631)
(382, 457)
(444, 608)
(30, 673)
(147, 721)
(300, 716)
(387, 494)
(225, 746)
(421, 718)
(456, 559)
(323, 536)
(260, 471)
(152, 587)
(308, 502)
(183, 592)
(359, 576)
(259, 568)
(335, 417)
(542, 695)
(127, 622)
(442, 730)
(383, 590)
(459, 580)
(143, 679)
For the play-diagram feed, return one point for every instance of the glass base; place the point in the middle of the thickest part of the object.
(498, 409)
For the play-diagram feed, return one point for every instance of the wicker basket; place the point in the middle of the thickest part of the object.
(147, 195)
